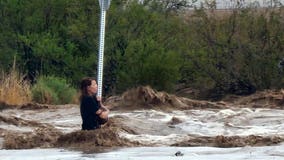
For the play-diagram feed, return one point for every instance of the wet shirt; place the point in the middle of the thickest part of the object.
(88, 108)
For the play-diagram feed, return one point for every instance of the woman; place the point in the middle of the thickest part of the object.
(93, 113)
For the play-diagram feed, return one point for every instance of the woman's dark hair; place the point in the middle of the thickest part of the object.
(85, 82)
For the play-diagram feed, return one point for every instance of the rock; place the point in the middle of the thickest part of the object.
(178, 153)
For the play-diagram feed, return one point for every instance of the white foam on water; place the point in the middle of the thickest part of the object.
(154, 140)
(210, 122)
(229, 122)
(195, 153)
(66, 120)
(153, 115)
(40, 154)
(152, 153)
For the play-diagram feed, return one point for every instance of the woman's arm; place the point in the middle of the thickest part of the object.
(103, 110)
(103, 113)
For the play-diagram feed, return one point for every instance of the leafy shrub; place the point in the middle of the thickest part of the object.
(53, 90)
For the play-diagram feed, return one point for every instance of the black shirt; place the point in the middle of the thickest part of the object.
(88, 108)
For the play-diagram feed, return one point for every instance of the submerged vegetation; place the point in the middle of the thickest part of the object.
(156, 43)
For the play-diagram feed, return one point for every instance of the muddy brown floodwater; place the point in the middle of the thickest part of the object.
(143, 117)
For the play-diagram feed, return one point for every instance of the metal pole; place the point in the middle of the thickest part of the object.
(101, 53)
(104, 5)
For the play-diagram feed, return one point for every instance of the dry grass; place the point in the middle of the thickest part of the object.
(14, 90)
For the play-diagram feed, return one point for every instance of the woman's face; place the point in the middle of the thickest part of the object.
(93, 88)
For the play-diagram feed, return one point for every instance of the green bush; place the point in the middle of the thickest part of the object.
(52, 90)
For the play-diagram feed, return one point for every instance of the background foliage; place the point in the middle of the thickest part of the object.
(153, 43)
(52, 90)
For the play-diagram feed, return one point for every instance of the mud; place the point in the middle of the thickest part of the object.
(148, 98)
(3, 105)
(21, 122)
(261, 99)
(46, 136)
(231, 141)
(38, 106)
(42, 135)
(39, 138)
(96, 140)
(28, 106)
(134, 115)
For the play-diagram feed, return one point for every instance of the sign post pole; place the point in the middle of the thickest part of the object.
(104, 5)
